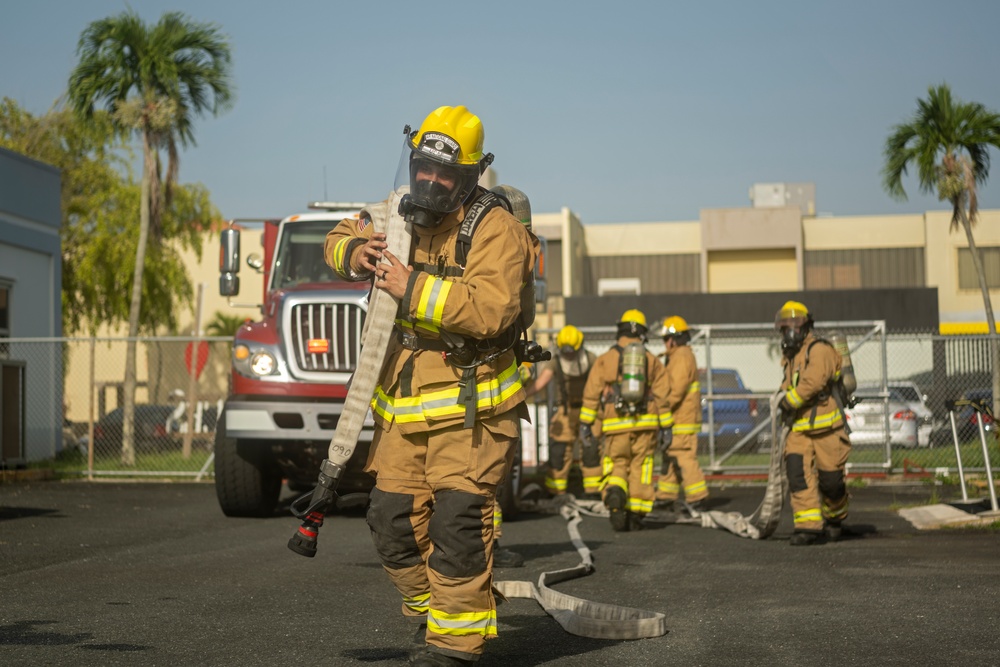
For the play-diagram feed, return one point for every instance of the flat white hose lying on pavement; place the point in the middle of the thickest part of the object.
(577, 616)
(763, 522)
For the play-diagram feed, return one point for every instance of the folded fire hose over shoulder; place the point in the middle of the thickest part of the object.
(382, 309)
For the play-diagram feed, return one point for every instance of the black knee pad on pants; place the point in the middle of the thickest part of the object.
(831, 484)
(557, 455)
(456, 529)
(796, 473)
(389, 520)
(590, 455)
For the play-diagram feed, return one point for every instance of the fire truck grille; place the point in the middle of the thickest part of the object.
(326, 337)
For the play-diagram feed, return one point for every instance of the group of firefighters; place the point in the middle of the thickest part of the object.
(450, 394)
(665, 418)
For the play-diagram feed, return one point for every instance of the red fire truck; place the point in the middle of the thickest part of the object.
(290, 369)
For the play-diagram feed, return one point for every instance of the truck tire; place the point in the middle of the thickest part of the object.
(510, 488)
(246, 482)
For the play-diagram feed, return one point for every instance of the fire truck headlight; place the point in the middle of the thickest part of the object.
(263, 363)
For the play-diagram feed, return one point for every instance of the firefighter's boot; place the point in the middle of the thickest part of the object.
(615, 500)
(802, 538)
(834, 532)
(505, 557)
(431, 658)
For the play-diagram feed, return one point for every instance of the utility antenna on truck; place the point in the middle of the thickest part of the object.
(336, 205)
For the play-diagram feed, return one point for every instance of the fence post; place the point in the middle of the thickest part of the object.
(90, 413)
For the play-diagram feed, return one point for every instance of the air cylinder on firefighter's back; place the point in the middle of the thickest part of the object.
(633, 388)
(839, 342)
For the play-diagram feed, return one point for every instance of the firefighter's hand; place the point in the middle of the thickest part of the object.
(666, 439)
(392, 275)
(585, 433)
(371, 252)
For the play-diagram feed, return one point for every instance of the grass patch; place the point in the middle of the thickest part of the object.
(145, 462)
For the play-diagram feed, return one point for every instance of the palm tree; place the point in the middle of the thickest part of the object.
(153, 80)
(949, 140)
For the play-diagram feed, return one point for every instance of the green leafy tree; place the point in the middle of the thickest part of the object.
(99, 227)
(222, 324)
(948, 142)
(153, 81)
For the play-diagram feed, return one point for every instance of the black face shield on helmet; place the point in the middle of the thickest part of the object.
(434, 183)
(793, 333)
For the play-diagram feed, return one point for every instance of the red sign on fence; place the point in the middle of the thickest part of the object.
(202, 357)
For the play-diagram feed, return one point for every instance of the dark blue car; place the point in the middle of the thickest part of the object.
(733, 417)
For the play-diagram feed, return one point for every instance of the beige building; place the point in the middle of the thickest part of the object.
(779, 249)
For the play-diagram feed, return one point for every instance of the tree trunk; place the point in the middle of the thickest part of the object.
(988, 305)
(128, 409)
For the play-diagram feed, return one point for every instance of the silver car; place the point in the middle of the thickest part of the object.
(867, 420)
(916, 400)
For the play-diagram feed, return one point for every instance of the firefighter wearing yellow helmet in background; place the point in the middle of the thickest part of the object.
(626, 390)
(446, 414)
(569, 367)
(818, 446)
(680, 470)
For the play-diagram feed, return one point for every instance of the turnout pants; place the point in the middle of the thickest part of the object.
(681, 469)
(431, 519)
(628, 464)
(563, 430)
(815, 466)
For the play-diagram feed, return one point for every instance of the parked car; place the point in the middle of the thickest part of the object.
(867, 420)
(151, 432)
(916, 400)
(733, 417)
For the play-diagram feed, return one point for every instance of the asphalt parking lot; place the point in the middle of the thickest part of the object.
(154, 574)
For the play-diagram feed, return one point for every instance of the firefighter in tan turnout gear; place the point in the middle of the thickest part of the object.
(680, 469)
(449, 396)
(626, 390)
(569, 368)
(818, 446)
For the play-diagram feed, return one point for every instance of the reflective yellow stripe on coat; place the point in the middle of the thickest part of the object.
(444, 403)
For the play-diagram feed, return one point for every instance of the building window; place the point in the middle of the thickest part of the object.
(967, 278)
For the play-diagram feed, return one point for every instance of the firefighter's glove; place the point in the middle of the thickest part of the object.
(585, 434)
(786, 413)
(666, 439)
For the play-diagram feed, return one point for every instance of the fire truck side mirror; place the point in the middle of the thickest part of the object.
(229, 262)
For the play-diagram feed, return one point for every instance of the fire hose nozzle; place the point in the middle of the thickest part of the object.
(320, 500)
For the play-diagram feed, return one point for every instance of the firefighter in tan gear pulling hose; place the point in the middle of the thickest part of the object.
(818, 445)
(680, 446)
(627, 390)
(449, 395)
(569, 368)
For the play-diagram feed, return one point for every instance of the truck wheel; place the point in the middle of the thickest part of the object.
(510, 487)
(246, 482)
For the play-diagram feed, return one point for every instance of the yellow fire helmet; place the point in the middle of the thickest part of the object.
(793, 314)
(569, 340)
(673, 326)
(445, 161)
(632, 323)
(450, 135)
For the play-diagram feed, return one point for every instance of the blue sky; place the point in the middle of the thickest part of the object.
(622, 112)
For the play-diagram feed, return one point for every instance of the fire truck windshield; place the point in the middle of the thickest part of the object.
(299, 259)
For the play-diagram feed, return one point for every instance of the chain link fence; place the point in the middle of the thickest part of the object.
(71, 397)
(63, 400)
